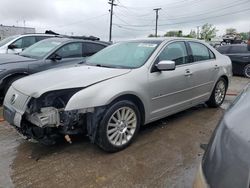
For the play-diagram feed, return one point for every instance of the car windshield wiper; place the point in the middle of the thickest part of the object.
(106, 66)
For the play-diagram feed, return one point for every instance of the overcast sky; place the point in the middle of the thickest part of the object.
(132, 18)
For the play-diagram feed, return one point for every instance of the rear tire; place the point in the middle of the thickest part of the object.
(246, 71)
(119, 126)
(218, 95)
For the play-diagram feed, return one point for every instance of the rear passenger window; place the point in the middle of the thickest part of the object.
(175, 52)
(238, 49)
(200, 51)
(38, 38)
(71, 50)
(91, 48)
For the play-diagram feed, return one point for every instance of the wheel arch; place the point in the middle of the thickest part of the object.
(225, 78)
(136, 100)
(12, 75)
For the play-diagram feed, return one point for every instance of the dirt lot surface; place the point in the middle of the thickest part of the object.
(165, 154)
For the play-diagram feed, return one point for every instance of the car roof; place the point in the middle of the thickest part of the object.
(162, 39)
(35, 34)
(67, 40)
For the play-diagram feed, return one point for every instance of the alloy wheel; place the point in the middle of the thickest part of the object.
(121, 126)
(220, 92)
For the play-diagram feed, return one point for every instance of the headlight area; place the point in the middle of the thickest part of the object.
(46, 121)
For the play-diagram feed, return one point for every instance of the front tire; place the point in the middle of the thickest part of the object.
(247, 71)
(119, 126)
(218, 95)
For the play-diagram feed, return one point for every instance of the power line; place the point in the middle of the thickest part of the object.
(216, 10)
(81, 21)
(208, 18)
(178, 4)
(194, 20)
(131, 29)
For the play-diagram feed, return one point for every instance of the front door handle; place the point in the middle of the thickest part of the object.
(188, 72)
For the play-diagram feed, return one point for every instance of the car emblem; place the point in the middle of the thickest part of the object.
(13, 99)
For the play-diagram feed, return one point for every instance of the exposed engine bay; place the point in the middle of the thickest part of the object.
(46, 121)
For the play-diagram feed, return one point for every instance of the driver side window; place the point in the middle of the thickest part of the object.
(24, 42)
(176, 52)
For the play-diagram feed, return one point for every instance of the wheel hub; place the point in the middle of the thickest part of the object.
(121, 126)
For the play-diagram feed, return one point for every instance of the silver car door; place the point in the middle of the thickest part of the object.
(204, 71)
(170, 90)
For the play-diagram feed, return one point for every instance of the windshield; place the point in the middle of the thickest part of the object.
(41, 49)
(7, 40)
(123, 55)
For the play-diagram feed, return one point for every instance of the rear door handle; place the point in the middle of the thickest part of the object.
(188, 72)
(216, 67)
(246, 57)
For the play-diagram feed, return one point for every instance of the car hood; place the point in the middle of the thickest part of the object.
(12, 58)
(79, 76)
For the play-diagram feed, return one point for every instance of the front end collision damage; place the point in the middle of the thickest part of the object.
(46, 120)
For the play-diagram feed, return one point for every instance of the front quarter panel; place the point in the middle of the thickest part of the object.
(103, 93)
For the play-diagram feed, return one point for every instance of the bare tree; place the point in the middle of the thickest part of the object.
(208, 31)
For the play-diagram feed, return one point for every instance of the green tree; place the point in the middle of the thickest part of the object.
(231, 30)
(173, 34)
(244, 35)
(208, 31)
(151, 35)
(192, 34)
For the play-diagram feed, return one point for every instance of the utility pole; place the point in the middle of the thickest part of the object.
(156, 19)
(198, 32)
(111, 2)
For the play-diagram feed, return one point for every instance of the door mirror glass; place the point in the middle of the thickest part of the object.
(12, 46)
(165, 65)
(55, 57)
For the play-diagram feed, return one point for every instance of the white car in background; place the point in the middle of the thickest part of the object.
(17, 43)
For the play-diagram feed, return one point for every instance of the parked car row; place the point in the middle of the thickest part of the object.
(112, 93)
(44, 55)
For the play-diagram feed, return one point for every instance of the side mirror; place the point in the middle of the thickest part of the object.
(165, 65)
(12, 46)
(55, 57)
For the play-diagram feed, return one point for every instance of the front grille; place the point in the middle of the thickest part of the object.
(17, 100)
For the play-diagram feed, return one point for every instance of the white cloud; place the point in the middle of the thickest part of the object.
(131, 18)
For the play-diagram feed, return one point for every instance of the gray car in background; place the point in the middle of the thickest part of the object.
(44, 55)
(117, 90)
(226, 161)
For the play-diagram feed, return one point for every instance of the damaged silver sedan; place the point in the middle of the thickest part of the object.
(117, 90)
